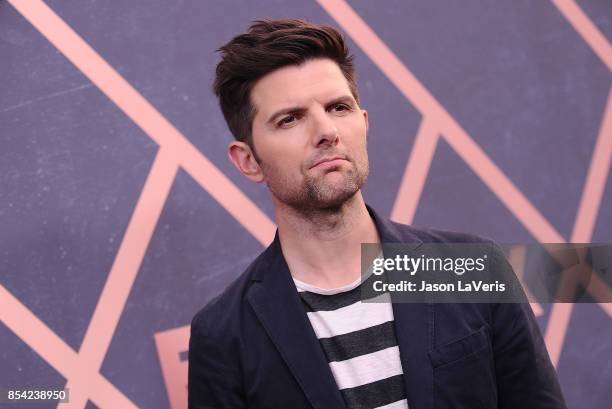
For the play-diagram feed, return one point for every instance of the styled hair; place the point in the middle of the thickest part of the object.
(267, 46)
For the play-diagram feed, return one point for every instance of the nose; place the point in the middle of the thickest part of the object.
(325, 132)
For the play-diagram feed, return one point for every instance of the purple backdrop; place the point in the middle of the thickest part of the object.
(517, 76)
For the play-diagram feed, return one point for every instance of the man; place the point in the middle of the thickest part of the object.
(291, 331)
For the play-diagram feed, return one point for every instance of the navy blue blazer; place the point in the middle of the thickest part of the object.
(254, 347)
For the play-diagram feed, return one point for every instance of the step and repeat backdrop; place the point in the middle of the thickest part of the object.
(120, 215)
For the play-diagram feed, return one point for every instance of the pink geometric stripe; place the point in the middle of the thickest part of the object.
(448, 128)
(586, 29)
(124, 271)
(517, 257)
(583, 227)
(82, 369)
(139, 110)
(415, 175)
(478, 160)
(175, 150)
(27, 326)
(596, 178)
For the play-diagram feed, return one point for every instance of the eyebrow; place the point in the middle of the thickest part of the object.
(347, 99)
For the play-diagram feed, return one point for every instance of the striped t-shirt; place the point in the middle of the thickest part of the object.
(359, 342)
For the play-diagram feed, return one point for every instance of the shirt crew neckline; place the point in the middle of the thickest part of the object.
(302, 286)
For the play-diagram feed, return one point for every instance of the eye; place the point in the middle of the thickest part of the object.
(340, 108)
(288, 120)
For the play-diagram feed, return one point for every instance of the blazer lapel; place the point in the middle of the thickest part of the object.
(413, 328)
(276, 303)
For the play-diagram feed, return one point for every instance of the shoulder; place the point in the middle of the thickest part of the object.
(391, 231)
(222, 315)
(431, 235)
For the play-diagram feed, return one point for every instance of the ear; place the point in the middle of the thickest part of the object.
(241, 155)
(365, 118)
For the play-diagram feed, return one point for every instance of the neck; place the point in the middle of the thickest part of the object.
(323, 246)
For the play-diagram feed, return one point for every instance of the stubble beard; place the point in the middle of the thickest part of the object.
(316, 194)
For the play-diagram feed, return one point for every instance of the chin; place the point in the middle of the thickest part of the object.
(329, 192)
(331, 198)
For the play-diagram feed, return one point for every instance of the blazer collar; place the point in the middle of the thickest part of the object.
(277, 305)
(387, 230)
(413, 325)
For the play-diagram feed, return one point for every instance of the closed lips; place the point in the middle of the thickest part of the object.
(329, 159)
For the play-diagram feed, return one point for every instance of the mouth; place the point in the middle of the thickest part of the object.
(329, 161)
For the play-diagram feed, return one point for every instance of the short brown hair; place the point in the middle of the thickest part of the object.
(267, 46)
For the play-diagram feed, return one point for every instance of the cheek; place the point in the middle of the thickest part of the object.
(282, 160)
(358, 136)
(284, 150)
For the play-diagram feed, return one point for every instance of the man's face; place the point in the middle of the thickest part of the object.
(310, 135)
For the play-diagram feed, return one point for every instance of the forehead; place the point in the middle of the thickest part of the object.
(314, 80)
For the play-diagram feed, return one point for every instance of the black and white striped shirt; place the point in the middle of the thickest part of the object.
(359, 342)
